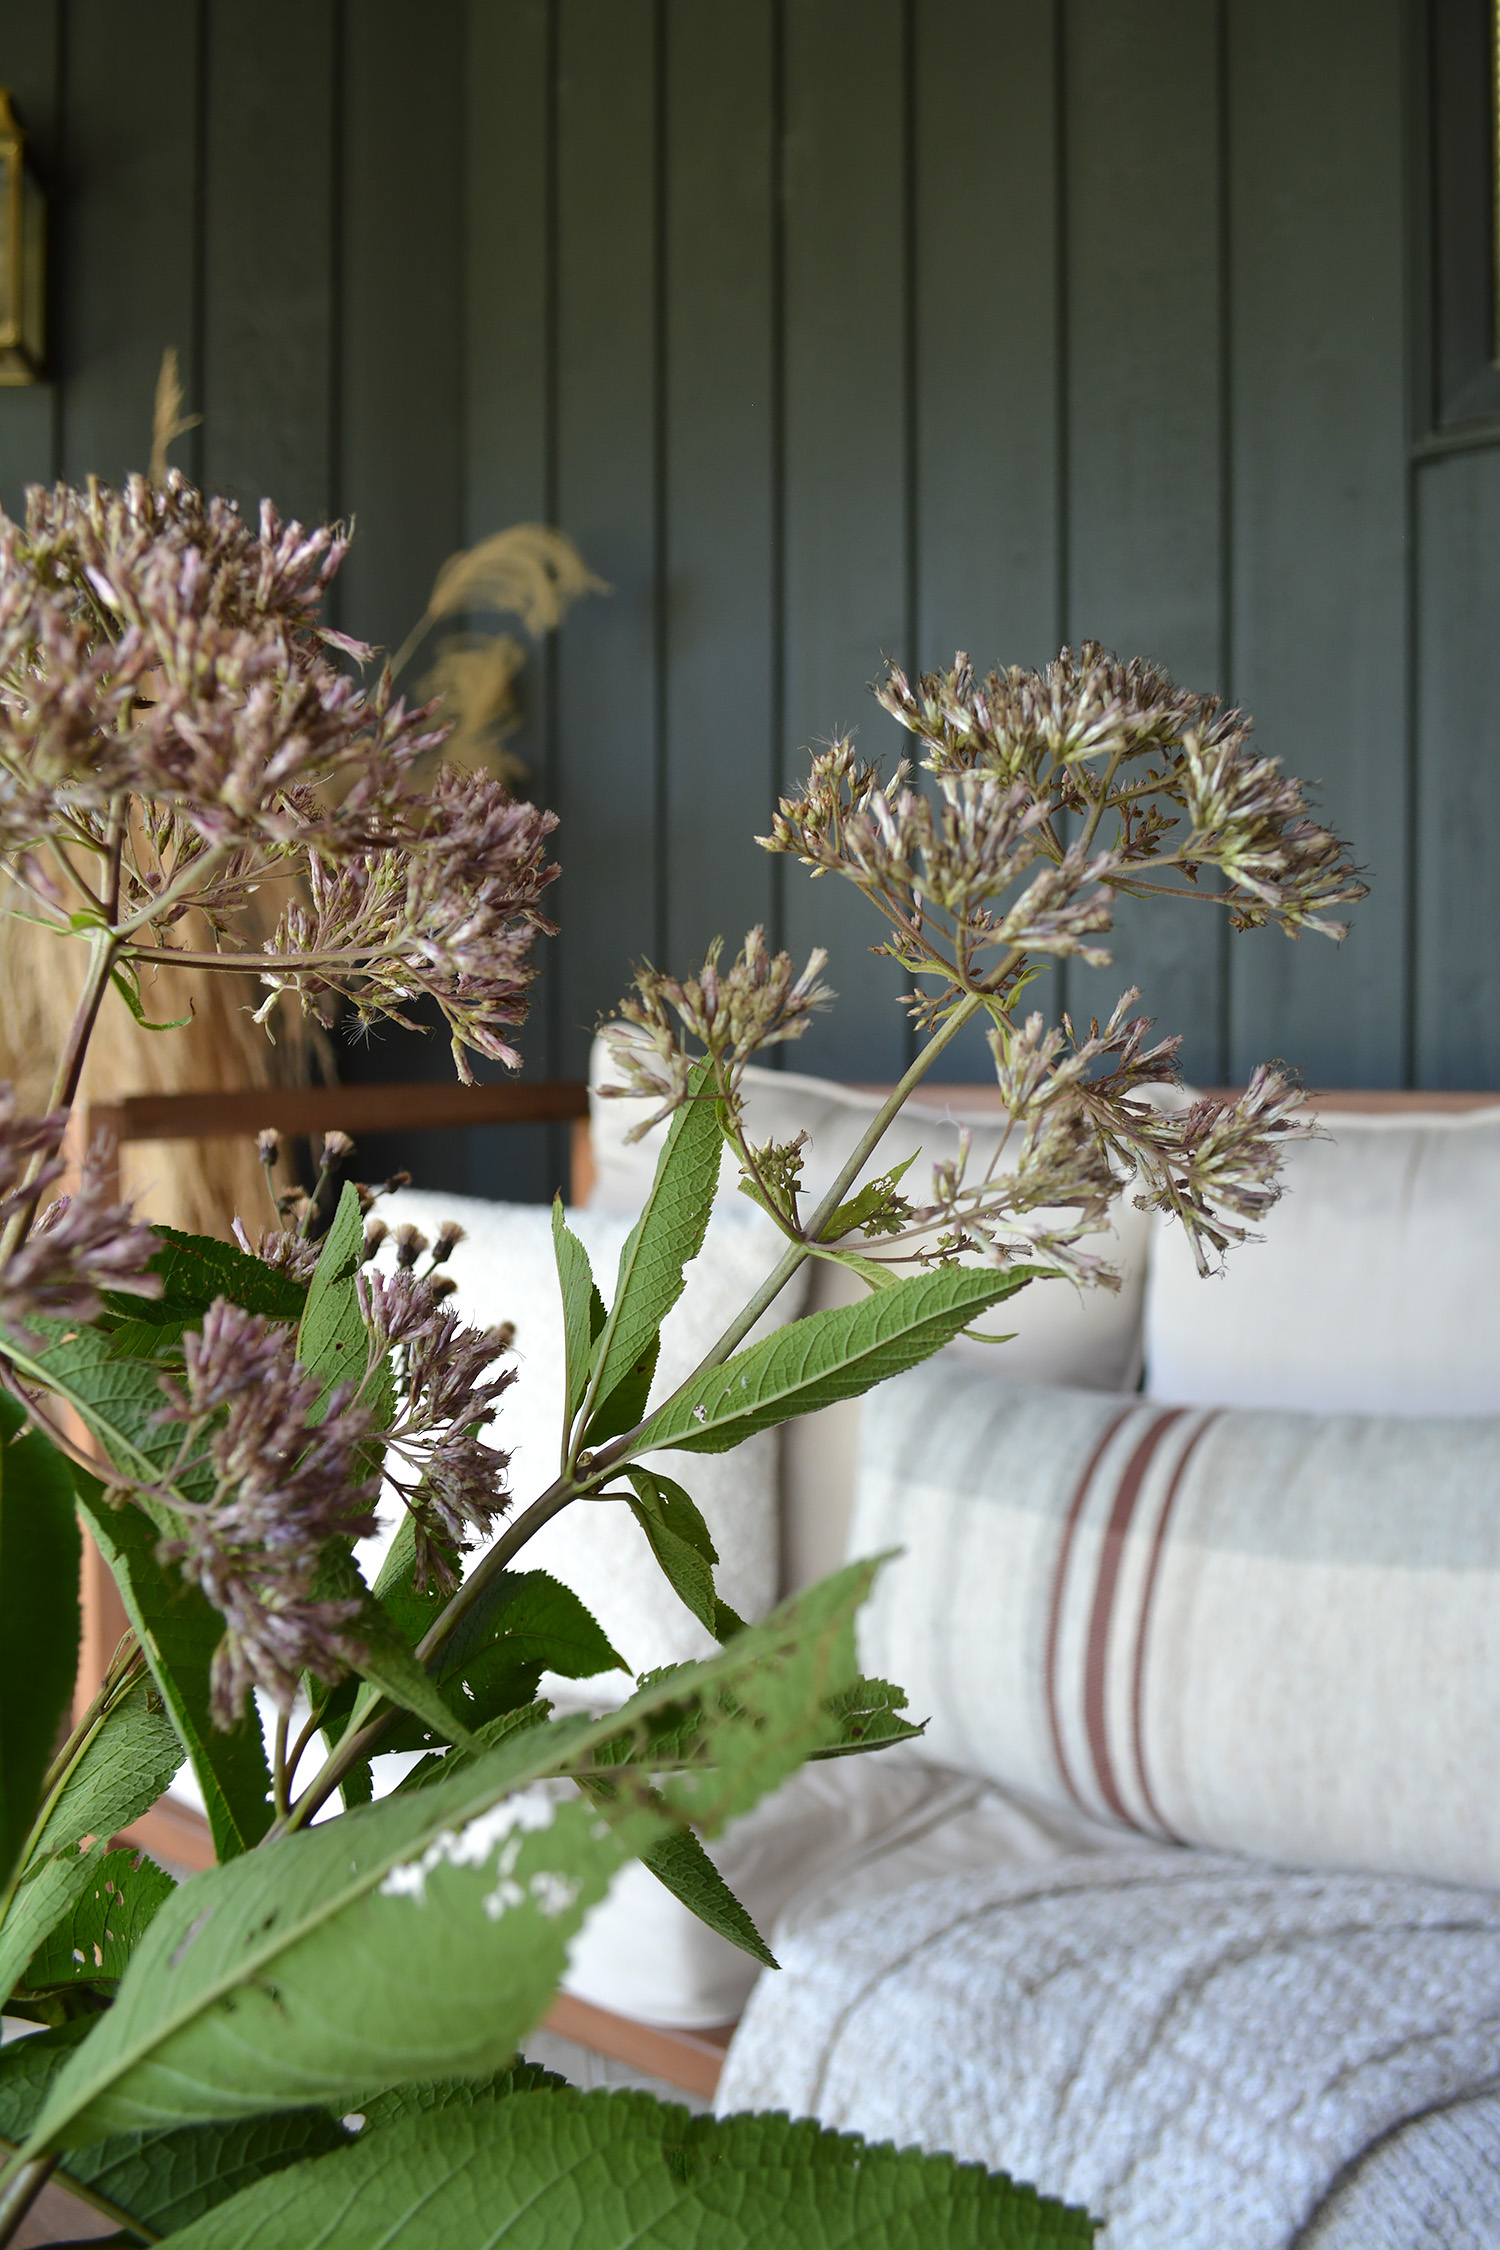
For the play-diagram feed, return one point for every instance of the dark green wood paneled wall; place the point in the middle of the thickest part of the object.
(832, 328)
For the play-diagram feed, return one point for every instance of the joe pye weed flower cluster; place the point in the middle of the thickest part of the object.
(178, 731)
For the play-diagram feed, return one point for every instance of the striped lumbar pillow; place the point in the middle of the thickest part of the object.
(1269, 1632)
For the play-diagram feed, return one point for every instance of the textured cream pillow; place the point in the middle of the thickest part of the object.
(505, 1271)
(1263, 1632)
(1374, 1290)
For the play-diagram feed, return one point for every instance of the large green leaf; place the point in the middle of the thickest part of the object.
(625, 2172)
(462, 2093)
(668, 1233)
(528, 1621)
(425, 1935)
(868, 1715)
(826, 1356)
(583, 1309)
(194, 1269)
(179, 1630)
(118, 1395)
(39, 1552)
(626, 1403)
(107, 1923)
(157, 2182)
(124, 1767)
(385, 1663)
(410, 1611)
(120, 1399)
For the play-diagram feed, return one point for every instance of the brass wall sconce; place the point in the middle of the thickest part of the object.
(23, 257)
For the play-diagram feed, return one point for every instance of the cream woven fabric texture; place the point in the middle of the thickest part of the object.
(1270, 1633)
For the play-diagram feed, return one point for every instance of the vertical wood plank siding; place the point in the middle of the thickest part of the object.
(831, 329)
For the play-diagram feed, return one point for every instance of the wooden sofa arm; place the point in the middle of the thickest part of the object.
(303, 1110)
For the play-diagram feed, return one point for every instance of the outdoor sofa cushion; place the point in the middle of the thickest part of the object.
(1374, 1289)
(1263, 1632)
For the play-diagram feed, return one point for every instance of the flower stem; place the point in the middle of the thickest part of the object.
(356, 1747)
(797, 1252)
(103, 947)
(25, 2187)
(278, 1766)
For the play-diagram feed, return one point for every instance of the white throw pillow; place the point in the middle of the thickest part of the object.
(505, 1270)
(1261, 1632)
(1374, 1290)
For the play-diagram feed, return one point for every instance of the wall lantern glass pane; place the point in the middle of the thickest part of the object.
(23, 253)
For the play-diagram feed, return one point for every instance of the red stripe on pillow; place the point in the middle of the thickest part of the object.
(1059, 1588)
(1143, 1627)
(1116, 1531)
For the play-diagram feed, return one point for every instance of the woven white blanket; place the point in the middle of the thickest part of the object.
(1209, 2056)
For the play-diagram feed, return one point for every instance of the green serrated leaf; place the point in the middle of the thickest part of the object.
(583, 1308)
(343, 1959)
(668, 1233)
(525, 1624)
(178, 1631)
(869, 1269)
(872, 1199)
(121, 1770)
(119, 1399)
(455, 2093)
(124, 1767)
(679, 1862)
(156, 2182)
(622, 2171)
(385, 1662)
(442, 1765)
(410, 1612)
(197, 1268)
(826, 1356)
(333, 1342)
(678, 1537)
(106, 1923)
(868, 1717)
(39, 1555)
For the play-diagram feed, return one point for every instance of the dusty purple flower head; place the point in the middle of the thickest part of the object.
(285, 1482)
(290, 1253)
(82, 1244)
(451, 1482)
(449, 911)
(170, 703)
(760, 1000)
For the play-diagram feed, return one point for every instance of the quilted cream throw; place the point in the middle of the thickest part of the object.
(1206, 2054)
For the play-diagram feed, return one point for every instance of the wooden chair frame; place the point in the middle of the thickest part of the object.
(691, 2060)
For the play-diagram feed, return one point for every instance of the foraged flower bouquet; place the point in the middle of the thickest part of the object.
(319, 2038)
